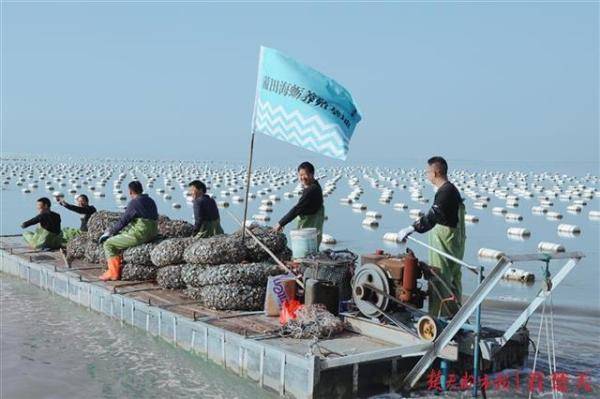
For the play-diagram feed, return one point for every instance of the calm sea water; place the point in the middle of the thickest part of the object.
(139, 362)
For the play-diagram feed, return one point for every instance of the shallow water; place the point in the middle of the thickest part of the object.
(52, 348)
(576, 301)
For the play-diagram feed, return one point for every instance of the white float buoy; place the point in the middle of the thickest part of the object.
(328, 239)
(498, 210)
(568, 228)
(393, 237)
(538, 210)
(513, 217)
(594, 215)
(400, 205)
(415, 213)
(261, 217)
(490, 253)
(471, 219)
(359, 206)
(553, 215)
(518, 275)
(370, 222)
(574, 208)
(518, 231)
(175, 205)
(545, 246)
(373, 214)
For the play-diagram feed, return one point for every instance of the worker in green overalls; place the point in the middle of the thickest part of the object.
(138, 225)
(309, 210)
(207, 222)
(49, 234)
(445, 222)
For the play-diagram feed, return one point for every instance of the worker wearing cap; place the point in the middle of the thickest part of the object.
(309, 210)
(445, 222)
(49, 234)
(138, 225)
(207, 222)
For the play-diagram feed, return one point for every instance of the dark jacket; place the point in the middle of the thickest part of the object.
(205, 210)
(308, 204)
(86, 212)
(47, 220)
(444, 210)
(142, 207)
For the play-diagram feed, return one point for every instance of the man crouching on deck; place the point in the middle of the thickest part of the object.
(138, 225)
(309, 209)
(49, 234)
(445, 222)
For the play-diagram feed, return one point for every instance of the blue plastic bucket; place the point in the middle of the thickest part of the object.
(304, 242)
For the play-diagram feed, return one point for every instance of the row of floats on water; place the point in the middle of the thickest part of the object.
(226, 185)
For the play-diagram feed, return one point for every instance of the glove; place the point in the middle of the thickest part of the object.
(404, 233)
(104, 237)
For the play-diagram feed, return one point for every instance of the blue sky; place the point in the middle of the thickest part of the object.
(470, 81)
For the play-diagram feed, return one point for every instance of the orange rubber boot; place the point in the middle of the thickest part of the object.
(114, 269)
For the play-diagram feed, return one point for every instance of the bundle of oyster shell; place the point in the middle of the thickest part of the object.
(252, 274)
(170, 277)
(231, 296)
(100, 222)
(170, 251)
(94, 253)
(133, 272)
(215, 250)
(174, 228)
(276, 242)
(140, 254)
(76, 246)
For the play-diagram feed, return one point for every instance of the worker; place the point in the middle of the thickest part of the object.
(49, 234)
(445, 222)
(309, 210)
(138, 225)
(83, 208)
(207, 222)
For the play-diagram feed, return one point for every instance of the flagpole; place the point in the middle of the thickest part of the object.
(248, 186)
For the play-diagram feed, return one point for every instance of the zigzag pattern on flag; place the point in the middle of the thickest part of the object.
(311, 133)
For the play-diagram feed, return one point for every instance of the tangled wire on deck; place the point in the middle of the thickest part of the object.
(313, 321)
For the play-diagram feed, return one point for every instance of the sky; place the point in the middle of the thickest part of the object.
(469, 81)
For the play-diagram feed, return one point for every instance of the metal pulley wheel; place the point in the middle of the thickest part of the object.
(427, 328)
(369, 302)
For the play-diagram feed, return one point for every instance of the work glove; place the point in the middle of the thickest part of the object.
(404, 233)
(104, 237)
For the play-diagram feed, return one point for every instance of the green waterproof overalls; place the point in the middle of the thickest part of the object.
(451, 241)
(42, 238)
(210, 228)
(138, 232)
(315, 220)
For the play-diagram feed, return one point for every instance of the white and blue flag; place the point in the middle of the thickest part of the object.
(300, 105)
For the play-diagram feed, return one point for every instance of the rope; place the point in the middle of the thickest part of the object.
(537, 347)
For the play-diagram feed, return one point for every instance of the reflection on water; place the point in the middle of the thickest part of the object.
(52, 348)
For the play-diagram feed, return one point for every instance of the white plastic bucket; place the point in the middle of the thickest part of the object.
(304, 242)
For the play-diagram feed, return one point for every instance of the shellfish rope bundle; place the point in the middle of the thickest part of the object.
(263, 246)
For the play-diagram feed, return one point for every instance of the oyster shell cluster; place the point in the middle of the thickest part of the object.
(133, 272)
(170, 251)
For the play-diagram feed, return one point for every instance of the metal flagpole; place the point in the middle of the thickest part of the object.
(248, 186)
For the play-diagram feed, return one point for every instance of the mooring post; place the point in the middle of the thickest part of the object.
(477, 337)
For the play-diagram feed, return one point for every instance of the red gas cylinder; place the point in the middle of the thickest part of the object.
(409, 276)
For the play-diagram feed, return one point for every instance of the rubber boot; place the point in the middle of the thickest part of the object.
(114, 269)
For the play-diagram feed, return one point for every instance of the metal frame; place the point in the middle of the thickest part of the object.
(480, 293)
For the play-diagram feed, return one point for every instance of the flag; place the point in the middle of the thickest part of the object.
(299, 105)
